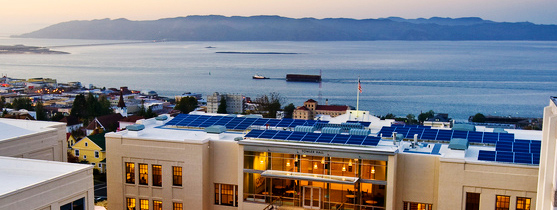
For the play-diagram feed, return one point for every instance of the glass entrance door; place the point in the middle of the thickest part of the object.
(312, 197)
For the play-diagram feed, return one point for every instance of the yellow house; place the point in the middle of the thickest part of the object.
(71, 140)
(92, 149)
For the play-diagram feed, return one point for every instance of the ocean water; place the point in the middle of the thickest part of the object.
(504, 78)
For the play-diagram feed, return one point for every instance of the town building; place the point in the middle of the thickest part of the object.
(93, 150)
(440, 120)
(312, 109)
(234, 103)
(42, 185)
(33, 139)
(104, 123)
(253, 163)
(547, 178)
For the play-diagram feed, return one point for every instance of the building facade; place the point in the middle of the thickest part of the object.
(311, 109)
(234, 103)
(93, 150)
(157, 168)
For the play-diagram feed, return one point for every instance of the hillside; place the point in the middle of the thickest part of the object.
(275, 28)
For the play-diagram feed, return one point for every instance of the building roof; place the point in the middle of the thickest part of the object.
(19, 174)
(132, 118)
(99, 140)
(70, 120)
(332, 107)
(121, 103)
(110, 120)
(302, 108)
(12, 128)
(311, 100)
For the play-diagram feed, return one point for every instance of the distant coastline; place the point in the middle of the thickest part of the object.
(22, 49)
(271, 53)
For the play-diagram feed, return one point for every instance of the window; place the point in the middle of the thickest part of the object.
(78, 204)
(502, 202)
(130, 203)
(84, 156)
(76, 152)
(157, 175)
(130, 173)
(93, 164)
(86, 144)
(177, 206)
(96, 154)
(157, 205)
(226, 194)
(143, 174)
(177, 176)
(143, 204)
(522, 203)
(417, 206)
(472, 201)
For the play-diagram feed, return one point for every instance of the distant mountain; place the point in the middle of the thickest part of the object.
(275, 28)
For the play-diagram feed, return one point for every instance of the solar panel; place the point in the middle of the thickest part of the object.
(444, 135)
(254, 133)
(296, 136)
(504, 146)
(356, 140)
(311, 137)
(371, 141)
(460, 134)
(475, 137)
(340, 139)
(282, 135)
(503, 156)
(414, 131)
(326, 138)
(521, 146)
(268, 134)
(430, 134)
(486, 155)
(521, 157)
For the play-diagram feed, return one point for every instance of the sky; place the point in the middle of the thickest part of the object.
(21, 16)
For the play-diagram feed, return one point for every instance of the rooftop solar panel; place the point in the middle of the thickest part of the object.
(296, 136)
(520, 157)
(355, 140)
(326, 138)
(503, 156)
(340, 139)
(311, 137)
(486, 155)
(282, 135)
(268, 134)
(254, 133)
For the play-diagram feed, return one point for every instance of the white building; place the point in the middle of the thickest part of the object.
(234, 103)
(41, 185)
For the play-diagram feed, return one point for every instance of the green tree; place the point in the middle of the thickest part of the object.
(105, 107)
(423, 116)
(2, 103)
(289, 110)
(57, 117)
(390, 116)
(186, 104)
(93, 106)
(149, 113)
(41, 113)
(79, 107)
(222, 106)
(479, 117)
(269, 104)
(411, 119)
(22, 103)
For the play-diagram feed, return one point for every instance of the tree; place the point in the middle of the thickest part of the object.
(22, 103)
(411, 119)
(289, 110)
(222, 106)
(93, 106)
(390, 116)
(186, 104)
(2, 102)
(149, 113)
(41, 113)
(79, 107)
(105, 107)
(479, 118)
(57, 117)
(269, 104)
(423, 116)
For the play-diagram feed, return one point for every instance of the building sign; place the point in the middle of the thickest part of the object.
(318, 152)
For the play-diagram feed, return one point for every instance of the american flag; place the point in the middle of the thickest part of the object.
(359, 86)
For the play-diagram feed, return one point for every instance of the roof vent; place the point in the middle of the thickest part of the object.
(307, 129)
(135, 127)
(216, 129)
(464, 127)
(330, 130)
(161, 118)
(458, 144)
(360, 132)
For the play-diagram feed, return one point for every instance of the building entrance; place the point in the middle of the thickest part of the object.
(312, 197)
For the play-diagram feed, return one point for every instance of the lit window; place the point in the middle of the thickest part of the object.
(143, 204)
(130, 173)
(178, 206)
(76, 152)
(130, 203)
(157, 205)
(226, 194)
(502, 202)
(177, 176)
(96, 154)
(417, 206)
(157, 175)
(143, 174)
(522, 203)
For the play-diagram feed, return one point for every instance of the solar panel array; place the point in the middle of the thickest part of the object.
(426, 133)
(517, 151)
(236, 123)
(315, 137)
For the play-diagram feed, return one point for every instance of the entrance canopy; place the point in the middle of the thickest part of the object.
(310, 177)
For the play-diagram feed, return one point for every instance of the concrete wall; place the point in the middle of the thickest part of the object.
(47, 143)
(443, 182)
(548, 159)
(193, 156)
(53, 193)
(224, 169)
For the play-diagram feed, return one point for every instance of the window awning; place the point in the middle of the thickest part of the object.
(310, 177)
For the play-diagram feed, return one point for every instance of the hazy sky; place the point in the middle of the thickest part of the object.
(19, 16)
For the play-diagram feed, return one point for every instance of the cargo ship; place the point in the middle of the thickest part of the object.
(303, 78)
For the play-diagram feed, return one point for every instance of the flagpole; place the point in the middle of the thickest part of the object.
(358, 98)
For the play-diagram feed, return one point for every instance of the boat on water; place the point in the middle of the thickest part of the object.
(303, 78)
(257, 76)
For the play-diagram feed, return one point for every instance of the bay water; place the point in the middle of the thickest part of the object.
(462, 78)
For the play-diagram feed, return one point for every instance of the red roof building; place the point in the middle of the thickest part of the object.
(311, 109)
